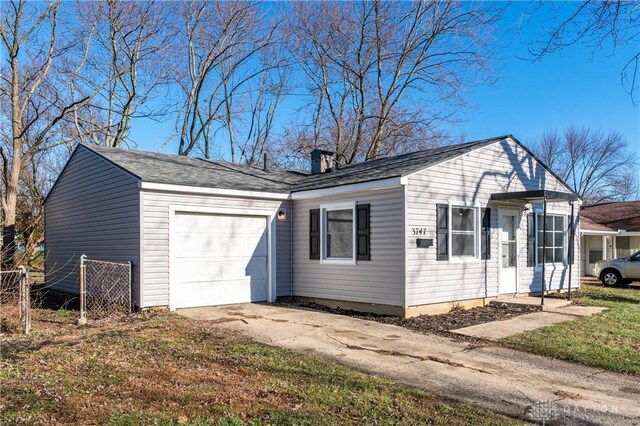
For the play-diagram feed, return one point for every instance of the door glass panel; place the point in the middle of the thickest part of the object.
(508, 241)
(512, 253)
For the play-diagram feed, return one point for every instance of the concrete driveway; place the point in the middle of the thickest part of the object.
(515, 383)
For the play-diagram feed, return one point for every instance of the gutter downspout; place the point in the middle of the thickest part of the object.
(291, 248)
(571, 248)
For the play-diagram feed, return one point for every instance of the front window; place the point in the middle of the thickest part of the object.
(463, 231)
(555, 239)
(339, 234)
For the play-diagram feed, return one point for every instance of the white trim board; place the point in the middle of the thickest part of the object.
(213, 191)
(338, 205)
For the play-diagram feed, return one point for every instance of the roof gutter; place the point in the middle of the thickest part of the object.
(594, 232)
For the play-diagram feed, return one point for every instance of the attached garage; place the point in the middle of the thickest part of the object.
(218, 259)
(198, 232)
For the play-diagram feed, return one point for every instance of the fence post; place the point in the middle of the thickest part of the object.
(25, 299)
(130, 287)
(83, 292)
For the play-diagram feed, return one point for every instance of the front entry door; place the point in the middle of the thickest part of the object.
(509, 223)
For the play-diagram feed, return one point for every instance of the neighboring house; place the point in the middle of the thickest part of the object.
(608, 231)
(410, 234)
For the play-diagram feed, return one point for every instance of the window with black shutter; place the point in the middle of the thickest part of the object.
(314, 234)
(485, 243)
(363, 232)
(442, 240)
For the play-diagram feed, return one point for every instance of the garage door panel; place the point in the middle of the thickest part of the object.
(218, 259)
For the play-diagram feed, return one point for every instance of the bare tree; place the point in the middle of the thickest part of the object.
(379, 73)
(121, 66)
(32, 104)
(263, 100)
(223, 44)
(598, 165)
(36, 178)
(596, 23)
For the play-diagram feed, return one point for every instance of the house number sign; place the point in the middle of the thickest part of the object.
(418, 231)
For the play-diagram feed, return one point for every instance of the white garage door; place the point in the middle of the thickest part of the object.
(218, 259)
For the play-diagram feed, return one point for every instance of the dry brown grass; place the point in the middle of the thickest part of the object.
(164, 369)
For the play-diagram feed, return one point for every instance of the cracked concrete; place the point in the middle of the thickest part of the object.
(502, 380)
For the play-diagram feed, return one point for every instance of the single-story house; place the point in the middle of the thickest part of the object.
(404, 235)
(608, 231)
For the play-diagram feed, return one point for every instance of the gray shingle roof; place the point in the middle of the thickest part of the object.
(179, 170)
(389, 167)
(190, 171)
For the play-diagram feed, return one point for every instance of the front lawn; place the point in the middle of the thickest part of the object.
(608, 340)
(164, 369)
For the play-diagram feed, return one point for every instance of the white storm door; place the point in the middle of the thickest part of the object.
(508, 250)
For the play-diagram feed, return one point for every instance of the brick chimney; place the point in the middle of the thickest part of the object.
(322, 161)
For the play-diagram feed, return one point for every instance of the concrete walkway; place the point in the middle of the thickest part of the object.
(515, 383)
(550, 303)
(496, 330)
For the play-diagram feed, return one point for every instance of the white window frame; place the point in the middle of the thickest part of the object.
(476, 235)
(539, 214)
(324, 208)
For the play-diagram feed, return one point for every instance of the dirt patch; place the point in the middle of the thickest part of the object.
(430, 324)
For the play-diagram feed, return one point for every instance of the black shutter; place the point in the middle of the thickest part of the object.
(363, 232)
(485, 244)
(571, 242)
(531, 239)
(442, 241)
(314, 234)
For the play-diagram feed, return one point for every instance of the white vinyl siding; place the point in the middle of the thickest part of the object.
(379, 280)
(471, 179)
(93, 210)
(156, 238)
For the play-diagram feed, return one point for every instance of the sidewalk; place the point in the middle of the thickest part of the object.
(497, 330)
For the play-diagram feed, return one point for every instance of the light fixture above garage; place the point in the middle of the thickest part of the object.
(282, 214)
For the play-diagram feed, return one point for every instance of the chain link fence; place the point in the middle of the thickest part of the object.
(105, 288)
(15, 301)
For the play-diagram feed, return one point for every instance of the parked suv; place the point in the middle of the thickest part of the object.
(618, 271)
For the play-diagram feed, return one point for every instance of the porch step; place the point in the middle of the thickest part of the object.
(550, 303)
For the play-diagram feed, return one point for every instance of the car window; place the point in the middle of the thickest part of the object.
(635, 257)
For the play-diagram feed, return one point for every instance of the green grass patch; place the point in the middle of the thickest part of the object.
(609, 340)
(163, 369)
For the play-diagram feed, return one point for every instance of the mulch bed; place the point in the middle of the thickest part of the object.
(430, 324)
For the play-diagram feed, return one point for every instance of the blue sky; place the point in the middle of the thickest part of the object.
(572, 87)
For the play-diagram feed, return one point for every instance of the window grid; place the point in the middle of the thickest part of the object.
(555, 239)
